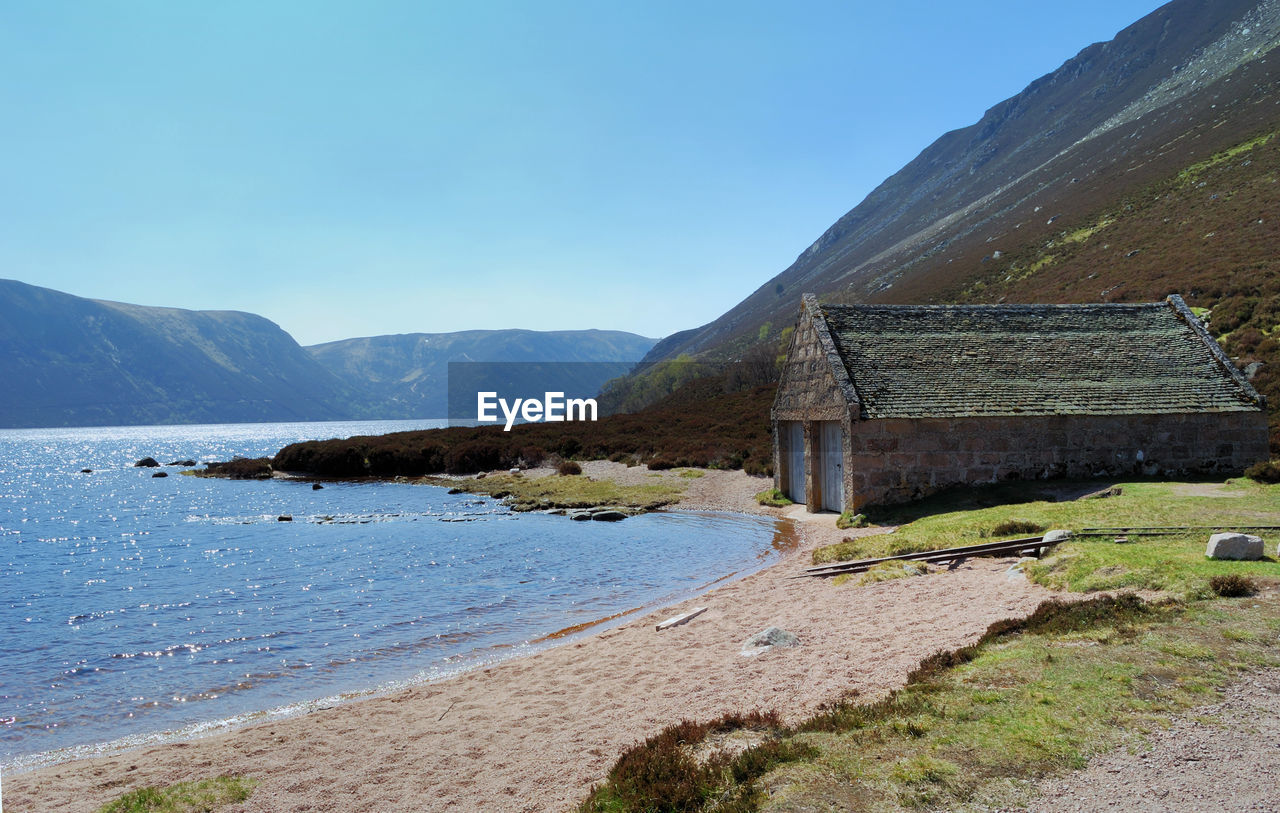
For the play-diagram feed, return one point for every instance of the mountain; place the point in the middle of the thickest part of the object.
(68, 361)
(1191, 79)
(408, 375)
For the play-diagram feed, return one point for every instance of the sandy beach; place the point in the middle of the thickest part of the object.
(534, 734)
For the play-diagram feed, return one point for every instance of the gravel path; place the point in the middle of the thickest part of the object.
(1223, 757)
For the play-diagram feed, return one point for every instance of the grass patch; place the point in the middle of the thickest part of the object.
(773, 497)
(851, 520)
(184, 797)
(535, 493)
(692, 474)
(888, 571)
(1033, 697)
(1175, 563)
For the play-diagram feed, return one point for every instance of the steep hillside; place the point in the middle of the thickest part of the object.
(1208, 231)
(408, 374)
(1188, 80)
(68, 361)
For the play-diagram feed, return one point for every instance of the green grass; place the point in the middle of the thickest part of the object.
(1034, 697)
(773, 497)
(1175, 563)
(534, 493)
(184, 797)
(1027, 705)
(885, 571)
(848, 519)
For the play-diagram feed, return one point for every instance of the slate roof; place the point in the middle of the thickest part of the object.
(907, 361)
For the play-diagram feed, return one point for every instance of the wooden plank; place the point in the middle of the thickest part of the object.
(1033, 544)
(683, 618)
(965, 550)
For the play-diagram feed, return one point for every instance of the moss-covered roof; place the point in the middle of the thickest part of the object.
(909, 361)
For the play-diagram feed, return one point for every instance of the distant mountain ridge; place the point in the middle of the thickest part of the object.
(70, 361)
(1113, 117)
(407, 374)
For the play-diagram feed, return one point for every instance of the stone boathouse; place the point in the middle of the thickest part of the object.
(888, 403)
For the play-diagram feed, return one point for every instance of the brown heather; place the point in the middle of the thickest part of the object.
(700, 425)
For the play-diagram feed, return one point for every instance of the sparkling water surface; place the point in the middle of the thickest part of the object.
(135, 605)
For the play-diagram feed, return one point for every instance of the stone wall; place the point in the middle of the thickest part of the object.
(889, 461)
(807, 391)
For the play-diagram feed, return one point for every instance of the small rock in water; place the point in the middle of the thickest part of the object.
(579, 515)
(454, 490)
(608, 516)
(285, 518)
(316, 486)
(767, 639)
(183, 463)
(146, 463)
(86, 471)
(161, 474)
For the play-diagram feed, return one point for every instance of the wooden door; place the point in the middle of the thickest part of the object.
(793, 435)
(831, 465)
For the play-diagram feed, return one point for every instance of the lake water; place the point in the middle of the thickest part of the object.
(137, 608)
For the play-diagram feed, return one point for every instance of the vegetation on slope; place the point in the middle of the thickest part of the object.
(1207, 232)
(1034, 697)
(700, 425)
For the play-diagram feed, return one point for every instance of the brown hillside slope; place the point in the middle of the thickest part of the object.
(1209, 231)
(1182, 83)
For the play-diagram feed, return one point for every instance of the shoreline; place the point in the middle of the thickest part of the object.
(484, 658)
(534, 732)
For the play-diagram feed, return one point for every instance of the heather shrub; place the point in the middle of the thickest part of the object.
(473, 456)
(1017, 526)
(1232, 585)
(241, 468)
(568, 468)
(1267, 471)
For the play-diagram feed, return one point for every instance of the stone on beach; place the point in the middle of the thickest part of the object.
(767, 639)
(1234, 546)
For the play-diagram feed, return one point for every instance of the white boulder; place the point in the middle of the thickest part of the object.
(1234, 546)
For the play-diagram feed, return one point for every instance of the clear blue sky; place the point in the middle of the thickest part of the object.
(358, 168)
